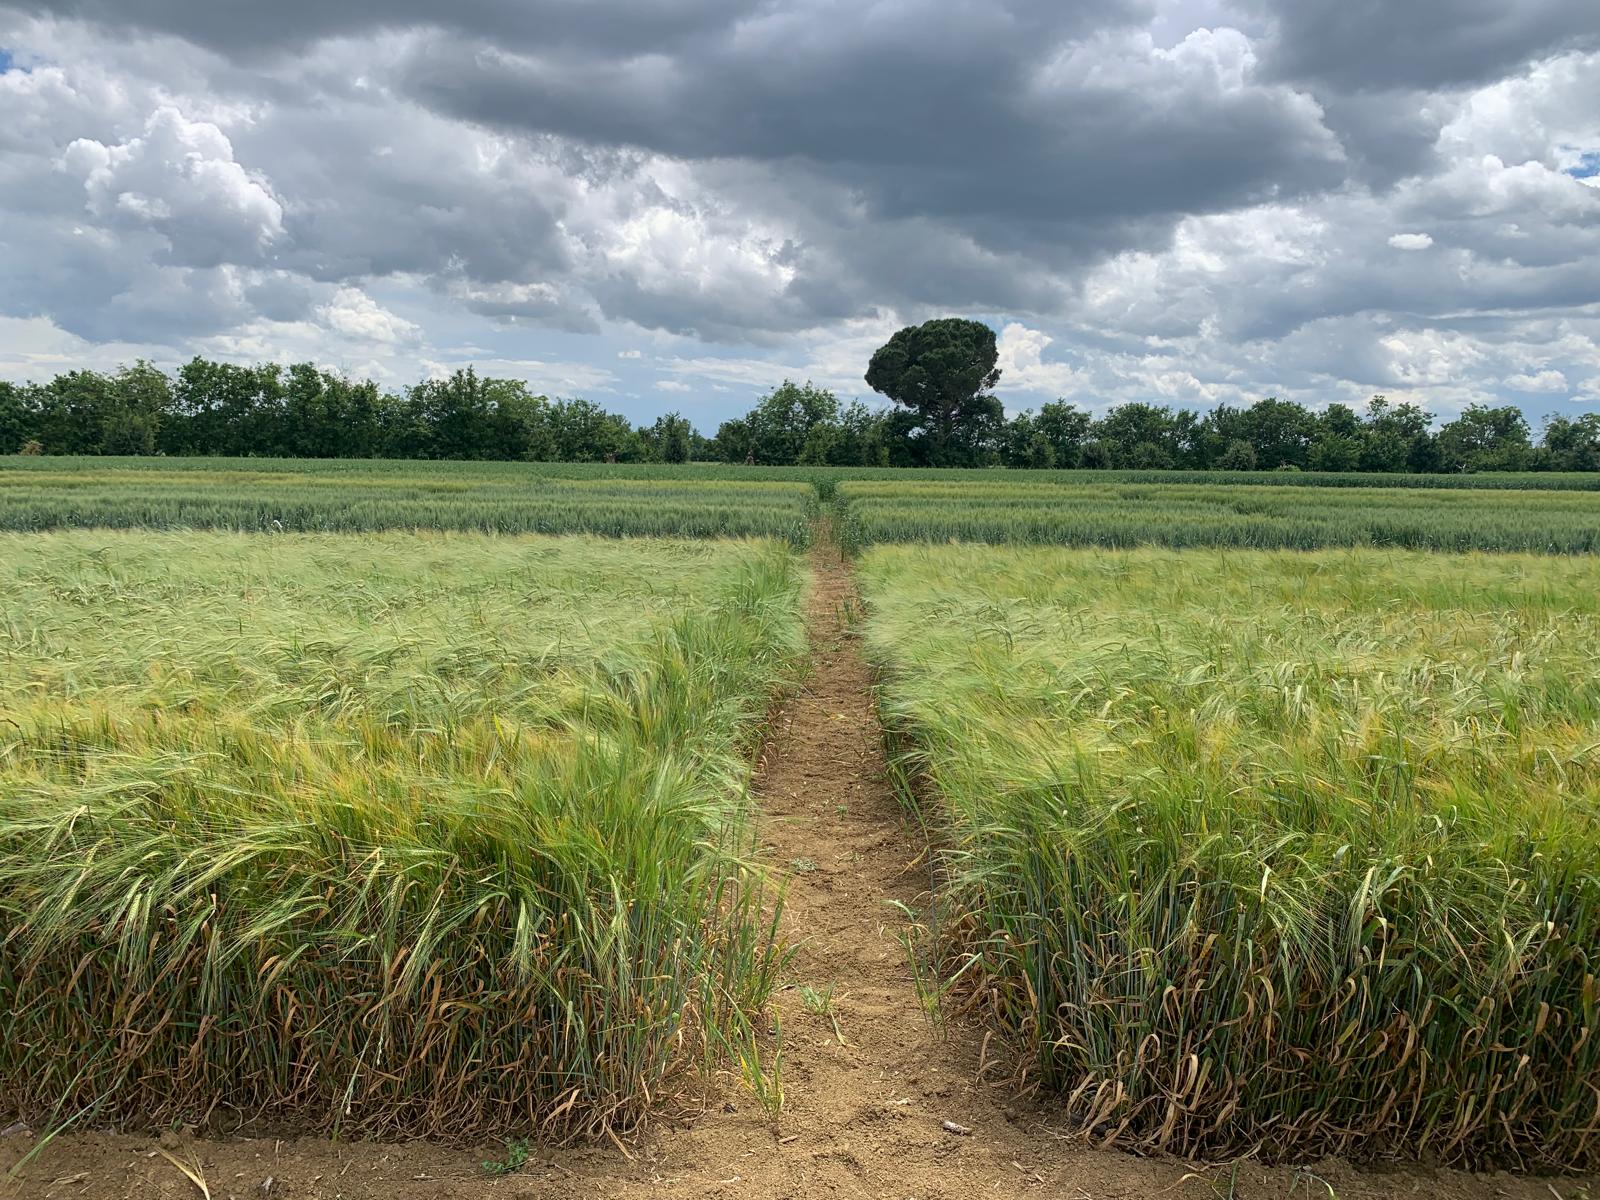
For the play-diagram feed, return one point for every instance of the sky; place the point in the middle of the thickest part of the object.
(676, 204)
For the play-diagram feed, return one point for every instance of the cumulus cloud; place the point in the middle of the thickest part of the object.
(1538, 381)
(355, 315)
(179, 178)
(1023, 365)
(1190, 201)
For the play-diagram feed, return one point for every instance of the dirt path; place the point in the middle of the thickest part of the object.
(862, 1116)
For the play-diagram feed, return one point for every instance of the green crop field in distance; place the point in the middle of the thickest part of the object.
(1305, 510)
(504, 470)
(1267, 852)
(1111, 513)
(433, 834)
(345, 496)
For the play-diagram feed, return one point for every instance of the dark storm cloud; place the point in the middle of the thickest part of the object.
(1384, 45)
(1188, 199)
(898, 82)
(1387, 135)
(618, 27)
(1058, 134)
(957, 108)
(990, 144)
(247, 28)
(924, 109)
(393, 210)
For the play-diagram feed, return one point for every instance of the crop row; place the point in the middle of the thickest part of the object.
(822, 476)
(411, 834)
(1121, 515)
(1290, 854)
(243, 497)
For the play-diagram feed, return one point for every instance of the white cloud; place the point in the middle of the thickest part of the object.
(1429, 356)
(1539, 381)
(179, 178)
(160, 197)
(35, 348)
(835, 357)
(752, 374)
(355, 315)
(552, 378)
(1023, 368)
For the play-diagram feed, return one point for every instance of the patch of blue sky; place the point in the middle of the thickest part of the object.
(1587, 166)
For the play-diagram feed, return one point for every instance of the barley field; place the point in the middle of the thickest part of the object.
(345, 497)
(1119, 514)
(411, 799)
(404, 834)
(1545, 512)
(1279, 853)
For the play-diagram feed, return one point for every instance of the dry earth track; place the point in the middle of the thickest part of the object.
(862, 1118)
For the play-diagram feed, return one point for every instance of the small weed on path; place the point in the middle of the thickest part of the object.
(819, 1003)
(516, 1157)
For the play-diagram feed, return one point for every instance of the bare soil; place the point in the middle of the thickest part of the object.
(866, 1099)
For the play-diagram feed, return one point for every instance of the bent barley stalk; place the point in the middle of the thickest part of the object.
(402, 834)
(1289, 854)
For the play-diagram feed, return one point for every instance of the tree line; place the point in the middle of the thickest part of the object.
(216, 408)
(303, 411)
(803, 424)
